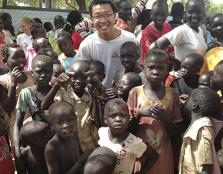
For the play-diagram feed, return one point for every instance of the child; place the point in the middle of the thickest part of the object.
(158, 111)
(126, 83)
(205, 80)
(188, 77)
(7, 103)
(31, 97)
(70, 87)
(127, 147)
(35, 135)
(99, 67)
(101, 161)
(129, 55)
(62, 151)
(198, 154)
(59, 23)
(57, 70)
(68, 55)
(24, 40)
(156, 29)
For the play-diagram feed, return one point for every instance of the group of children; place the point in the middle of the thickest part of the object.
(160, 117)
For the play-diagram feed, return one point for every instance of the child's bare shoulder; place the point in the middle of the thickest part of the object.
(52, 145)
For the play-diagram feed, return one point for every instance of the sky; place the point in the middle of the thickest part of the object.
(218, 1)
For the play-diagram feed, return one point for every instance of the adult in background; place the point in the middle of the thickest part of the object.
(105, 43)
(187, 38)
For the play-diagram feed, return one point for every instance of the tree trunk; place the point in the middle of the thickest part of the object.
(81, 4)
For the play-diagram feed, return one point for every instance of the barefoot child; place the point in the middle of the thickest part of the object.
(34, 134)
(158, 111)
(101, 161)
(62, 151)
(198, 154)
(31, 97)
(116, 137)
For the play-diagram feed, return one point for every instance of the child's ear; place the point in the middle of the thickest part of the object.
(195, 106)
(105, 119)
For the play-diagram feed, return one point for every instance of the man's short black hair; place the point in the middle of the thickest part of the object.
(207, 100)
(98, 2)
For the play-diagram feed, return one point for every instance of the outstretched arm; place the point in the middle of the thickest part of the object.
(160, 43)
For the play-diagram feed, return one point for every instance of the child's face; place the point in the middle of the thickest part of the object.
(57, 70)
(39, 33)
(16, 58)
(188, 68)
(194, 14)
(125, 11)
(64, 124)
(78, 83)
(118, 119)
(128, 59)
(217, 27)
(124, 86)
(65, 45)
(24, 27)
(99, 72)
(159, 16)
(42, 73)
(43, 43)
(155, 69)
(217, 78)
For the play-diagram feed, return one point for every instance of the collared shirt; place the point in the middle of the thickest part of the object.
(198, 148)
(86, 130)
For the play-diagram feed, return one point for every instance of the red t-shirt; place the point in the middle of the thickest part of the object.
(150, 34)
(77, 39)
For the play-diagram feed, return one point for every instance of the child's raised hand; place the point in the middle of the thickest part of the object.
(18, 76)
(63, 79)
(111, 93)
